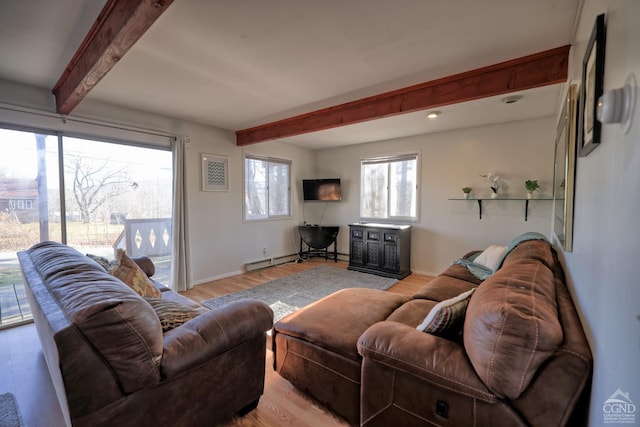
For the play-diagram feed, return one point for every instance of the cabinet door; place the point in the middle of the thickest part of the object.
(390, 252)
(373, 248)
(356, 252)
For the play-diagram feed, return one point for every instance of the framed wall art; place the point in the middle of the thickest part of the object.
(592, 82)
(215, 173)
(564, 172)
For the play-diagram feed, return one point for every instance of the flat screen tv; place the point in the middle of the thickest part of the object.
(327, 189)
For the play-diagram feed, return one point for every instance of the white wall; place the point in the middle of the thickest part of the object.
(221, 242)
(603, 268)
(451, 160)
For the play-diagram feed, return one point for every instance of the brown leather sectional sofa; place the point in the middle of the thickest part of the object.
(521, 359)
(112, 365)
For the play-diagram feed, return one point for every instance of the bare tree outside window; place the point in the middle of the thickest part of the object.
(389, 188)
(267, 188)
(278, 189)
(402, 181)
(118, 193)
(93, 183)
(255, 188)
(374, 190)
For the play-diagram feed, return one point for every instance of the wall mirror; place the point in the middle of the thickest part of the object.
(564, 172)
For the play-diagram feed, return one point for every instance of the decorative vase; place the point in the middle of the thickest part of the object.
(467, 195)
(494, 195)
(530, 195)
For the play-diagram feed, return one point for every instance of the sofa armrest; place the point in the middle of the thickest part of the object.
(428, 357)
(145, 264)
(213, 333)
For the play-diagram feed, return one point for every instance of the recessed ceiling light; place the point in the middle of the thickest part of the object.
(512, 99)
(433, 114)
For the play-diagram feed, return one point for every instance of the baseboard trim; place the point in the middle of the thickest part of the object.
(270, 262)
(265, 263)
(213, 278)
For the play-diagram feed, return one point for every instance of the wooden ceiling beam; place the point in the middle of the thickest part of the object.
(531, 71)
(118, 27)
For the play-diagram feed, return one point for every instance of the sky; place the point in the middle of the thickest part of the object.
(18, 157)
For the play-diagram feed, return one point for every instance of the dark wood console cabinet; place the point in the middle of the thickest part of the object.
(381, 249)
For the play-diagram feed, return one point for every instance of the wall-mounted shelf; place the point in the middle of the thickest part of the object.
(481, 199)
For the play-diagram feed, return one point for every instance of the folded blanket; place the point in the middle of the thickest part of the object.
(482, 272)
(478, 270)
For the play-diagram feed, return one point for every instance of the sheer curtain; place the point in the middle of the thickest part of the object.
(179, 226)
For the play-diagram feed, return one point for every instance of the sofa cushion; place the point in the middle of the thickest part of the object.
(170, 313)
(460, 272)
(184, 301)
(352, 311)
(411, 313)
(511, 327)
(125, 269)
(447, 316)
(444, 287)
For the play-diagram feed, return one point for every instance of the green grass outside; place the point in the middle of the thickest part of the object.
(10, 276)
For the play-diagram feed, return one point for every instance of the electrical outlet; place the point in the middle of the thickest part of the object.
(264, 252)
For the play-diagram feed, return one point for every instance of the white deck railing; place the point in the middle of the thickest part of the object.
(150, 237)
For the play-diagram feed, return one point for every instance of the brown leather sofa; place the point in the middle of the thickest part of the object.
(112, 365)
(521, 358)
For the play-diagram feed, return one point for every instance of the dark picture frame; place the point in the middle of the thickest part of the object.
(591, 89)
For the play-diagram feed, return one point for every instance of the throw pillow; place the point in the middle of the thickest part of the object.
(171, 314)
(447, 316)
(491, 256)
(104, 263)
(126, 269)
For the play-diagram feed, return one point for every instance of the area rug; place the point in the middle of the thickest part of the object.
(289, 293)
(9, 414)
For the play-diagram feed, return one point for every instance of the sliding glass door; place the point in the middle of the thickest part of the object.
(95, 196)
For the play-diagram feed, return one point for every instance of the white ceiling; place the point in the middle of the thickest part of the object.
(242, 63)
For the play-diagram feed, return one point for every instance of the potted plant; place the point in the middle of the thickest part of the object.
(466, 191)
(531, 185)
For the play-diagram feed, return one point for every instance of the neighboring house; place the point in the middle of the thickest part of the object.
(19, 198)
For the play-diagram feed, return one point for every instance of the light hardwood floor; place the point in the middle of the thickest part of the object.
(23, 369)
(282, 404)
(408, 285)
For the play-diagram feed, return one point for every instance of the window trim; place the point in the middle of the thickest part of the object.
(268, 159)
(410, 155)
